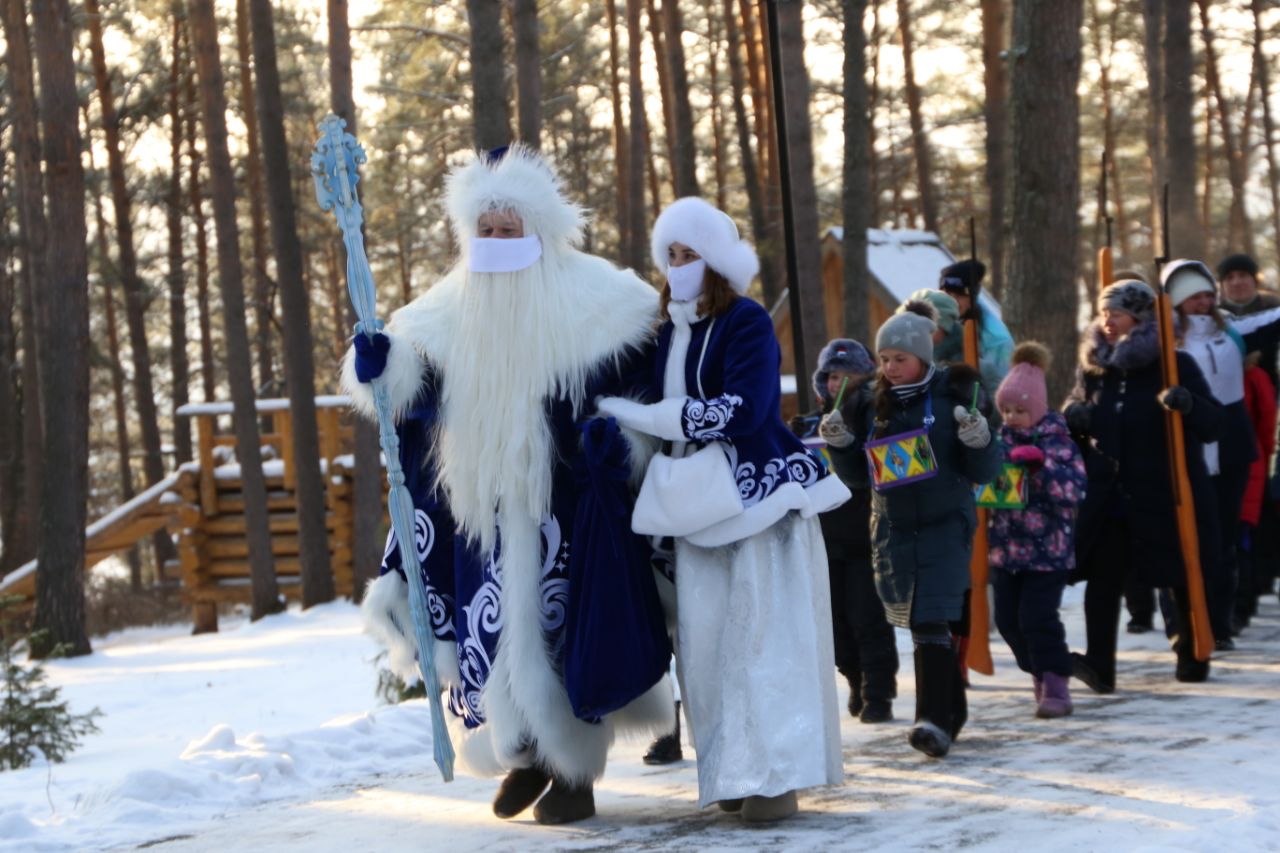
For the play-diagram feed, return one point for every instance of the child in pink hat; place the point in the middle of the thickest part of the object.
(1033, 547)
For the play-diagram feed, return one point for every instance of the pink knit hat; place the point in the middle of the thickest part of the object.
(1024, 385)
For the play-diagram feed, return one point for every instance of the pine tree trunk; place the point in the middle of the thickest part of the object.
(20, 540)
(180, 366)
(1268, 122)
(856, 196)
(621, 145)
(684, 166)
(716, 90)
(996, 114)
(195, 191)
(317, 574)
(919, 142)
(1153, 52)
(794, 79)
(636, 255)
(1186, 230)
(662, 66)
(1041, 301)
(1237, 156)
(366, 498)
(490, 110)
(263, 298)
(773, 247)
(10, 405)
(873, 106)
(137, 303)
(63, 311)
(524, 20)
(204, 44)
(750, 174)
(119, 405)
(1106, 55)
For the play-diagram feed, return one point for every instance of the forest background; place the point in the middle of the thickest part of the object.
(160, 243)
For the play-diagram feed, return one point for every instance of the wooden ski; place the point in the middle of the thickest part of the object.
(1179, 480)
(978, 652)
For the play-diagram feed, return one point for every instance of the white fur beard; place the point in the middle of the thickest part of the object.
(511, 350)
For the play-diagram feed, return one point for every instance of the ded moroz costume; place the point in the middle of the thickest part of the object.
(492, 372)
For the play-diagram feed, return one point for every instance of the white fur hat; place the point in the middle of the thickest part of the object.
(710, 233)
(1184, 278)
(521, 181)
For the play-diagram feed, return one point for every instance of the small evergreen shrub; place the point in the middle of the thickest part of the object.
(33, 720)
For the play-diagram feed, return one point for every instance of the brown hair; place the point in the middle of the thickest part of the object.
(717, 296)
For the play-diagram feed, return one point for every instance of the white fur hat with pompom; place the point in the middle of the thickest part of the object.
(709, 232)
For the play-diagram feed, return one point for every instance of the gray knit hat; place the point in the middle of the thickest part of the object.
(1133, 297)
(910, 329)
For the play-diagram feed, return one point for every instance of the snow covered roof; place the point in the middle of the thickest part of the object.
(273, 404)
(904, 261)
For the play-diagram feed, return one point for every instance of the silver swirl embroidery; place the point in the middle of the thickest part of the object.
(554, 587)
(705, 420)
(802, 468)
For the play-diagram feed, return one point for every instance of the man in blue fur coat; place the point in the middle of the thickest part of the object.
(492, 373)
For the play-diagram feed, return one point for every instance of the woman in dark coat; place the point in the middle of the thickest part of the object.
(1127, 524)
(922, 529)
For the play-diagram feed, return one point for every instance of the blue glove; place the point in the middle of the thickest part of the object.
(371, 355)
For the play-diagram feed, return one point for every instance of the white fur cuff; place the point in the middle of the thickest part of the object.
(402, 376)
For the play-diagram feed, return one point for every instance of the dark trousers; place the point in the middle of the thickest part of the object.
(865, 646)
(1140, 601)
(1027, 606)
(1220, 581)
(1102, 603)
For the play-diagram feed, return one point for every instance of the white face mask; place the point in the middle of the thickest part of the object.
(686, 281)
(493, 254)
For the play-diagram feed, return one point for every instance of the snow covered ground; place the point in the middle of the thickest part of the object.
(268, 736)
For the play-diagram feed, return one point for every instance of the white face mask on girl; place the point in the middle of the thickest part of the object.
(686, 281)
(494, 254)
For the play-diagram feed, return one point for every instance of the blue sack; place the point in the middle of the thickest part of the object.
(615, 642)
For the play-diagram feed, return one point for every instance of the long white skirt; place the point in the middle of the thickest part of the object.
(756, 662)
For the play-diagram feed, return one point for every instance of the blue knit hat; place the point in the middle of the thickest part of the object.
(843, 354)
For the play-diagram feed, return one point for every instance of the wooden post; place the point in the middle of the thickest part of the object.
(208, 485)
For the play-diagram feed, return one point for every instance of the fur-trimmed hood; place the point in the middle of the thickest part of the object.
(709, 232)
(1135, 350)
(522, 182)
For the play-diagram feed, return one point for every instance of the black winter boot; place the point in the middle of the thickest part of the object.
(665, 749)
(565, 803)
(519, 790)
(855, 696)
(936, 674)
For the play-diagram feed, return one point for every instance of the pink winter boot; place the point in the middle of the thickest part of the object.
(1055, 697)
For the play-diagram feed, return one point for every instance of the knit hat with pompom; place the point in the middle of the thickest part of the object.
(910, 329)
(1024, 385)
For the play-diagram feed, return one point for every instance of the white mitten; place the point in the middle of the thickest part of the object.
(660, 419)
(972, 428)
(833, 430)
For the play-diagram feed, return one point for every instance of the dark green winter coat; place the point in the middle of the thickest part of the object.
(922, 532)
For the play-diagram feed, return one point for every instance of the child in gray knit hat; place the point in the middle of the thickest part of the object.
(922, 528)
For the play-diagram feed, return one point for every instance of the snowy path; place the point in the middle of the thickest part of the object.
(1156, 766)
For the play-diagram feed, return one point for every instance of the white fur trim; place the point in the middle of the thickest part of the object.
(386, 617)
(403, 376)
(524, 698)
(523, 182)
(668, 419)
(641, 448)
(651, 713)
(828, 493)
(710, 233)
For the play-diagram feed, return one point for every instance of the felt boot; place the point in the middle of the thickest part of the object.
(565, 803)
(666, 748)
(519, 790)
(1055, 701)
(935, 692)
(766, 809)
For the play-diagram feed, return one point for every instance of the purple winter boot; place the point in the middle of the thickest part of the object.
(1055, 697)
(1038, 685)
